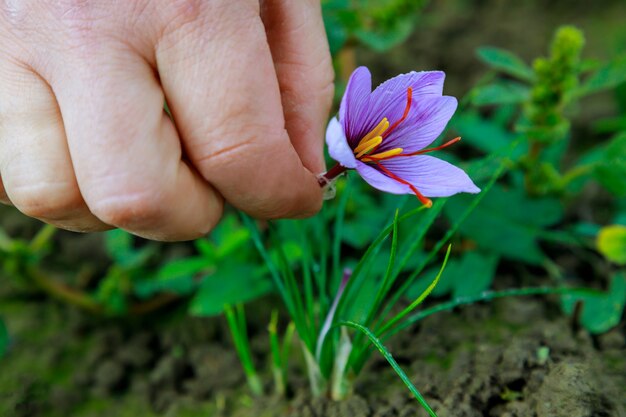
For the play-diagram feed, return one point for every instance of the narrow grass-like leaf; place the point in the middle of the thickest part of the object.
(381, 348)
(372, 250)
(439, 245)
(306, 275)
(338, 234)
(386, 283)
(389, 324)
(237, 324)
(274, 272)
(305, 328)
(488, 296)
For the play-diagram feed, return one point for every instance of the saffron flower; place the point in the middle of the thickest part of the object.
(384, 135)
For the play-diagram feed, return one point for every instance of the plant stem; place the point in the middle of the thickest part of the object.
(341, 385)
(42, 237)
(316, 380)
(63, 292)
(330, 175)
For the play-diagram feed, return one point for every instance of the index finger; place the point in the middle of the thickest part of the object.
(218, 76)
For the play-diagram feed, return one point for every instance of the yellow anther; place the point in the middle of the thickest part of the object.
(377, 131)
(383, 155)
(365, 147)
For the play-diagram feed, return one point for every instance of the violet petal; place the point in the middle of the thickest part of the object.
(427, 119)
(389, 99)
(355, 101)
(337, 143)
(432, 176)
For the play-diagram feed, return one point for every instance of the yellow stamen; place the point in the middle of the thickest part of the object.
(365, 147)
(382, 155)
(377, 131)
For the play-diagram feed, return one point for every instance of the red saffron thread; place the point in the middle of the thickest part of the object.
(409, 98)
(424, 200)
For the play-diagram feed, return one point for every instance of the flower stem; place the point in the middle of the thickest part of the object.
(331, 174)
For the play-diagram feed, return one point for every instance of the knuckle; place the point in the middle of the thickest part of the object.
(50, 201)
(239, 141)
(137, 211)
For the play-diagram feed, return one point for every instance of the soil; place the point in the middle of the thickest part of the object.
(514, 357)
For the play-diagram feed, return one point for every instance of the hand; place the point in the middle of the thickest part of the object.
(86, 145)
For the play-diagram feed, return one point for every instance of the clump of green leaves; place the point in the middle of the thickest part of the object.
(545, 95)
(377, 24)
(534, 106)
(554, 80)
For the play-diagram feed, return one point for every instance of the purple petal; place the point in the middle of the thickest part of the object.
(389, 99)
(427, 118)
(433, 177)
(378, 180)
(355, 101)
(338, 147)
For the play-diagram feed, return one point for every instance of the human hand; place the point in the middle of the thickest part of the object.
(86, 145)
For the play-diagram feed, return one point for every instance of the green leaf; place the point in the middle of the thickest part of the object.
(507, 222)
(229, 237)
(4, 338)
(383, 40)
(600, 312)
(500, 92)
(119, 245)
(612, 243)
(481, 133)
(381, 348)
(179, 277)
(468, 276)
(506, 62)
(609, 76)
(206, 248)
(610, 169)
(232, 284)
(113, 291)
(382, 24)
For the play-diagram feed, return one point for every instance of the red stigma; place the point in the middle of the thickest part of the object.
(424, 200)
(409, 97)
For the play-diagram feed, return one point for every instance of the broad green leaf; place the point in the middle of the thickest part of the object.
(383, 40)
(500, 92)
(230, 285)
(206, 248)
(609, 76)
(229, 238)
(610, 170)
(612, 243)
(383, 24)
(600, 312)
(481, 133)
(506, 62)
(336, 32)
(119, 245)
(507, 222)
(4, 338)
(178, 277)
